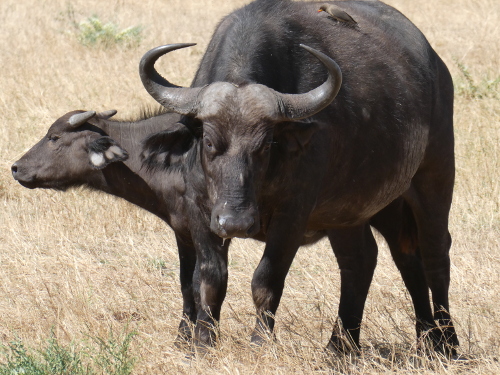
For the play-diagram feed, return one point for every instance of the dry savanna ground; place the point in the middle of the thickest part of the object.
(81, 264)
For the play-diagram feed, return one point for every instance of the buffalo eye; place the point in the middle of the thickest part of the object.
(208, 144)
(267, 144)
(54, 137)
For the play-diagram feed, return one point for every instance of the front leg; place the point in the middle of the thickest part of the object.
(210, 285)
(187, 260)
(356, 253)
(283, 240)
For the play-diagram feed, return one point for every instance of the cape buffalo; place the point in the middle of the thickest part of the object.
(85, 148)
(287, 164)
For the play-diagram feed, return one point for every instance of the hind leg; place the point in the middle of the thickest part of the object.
(430, 199)
(356, 253)
(397, 225)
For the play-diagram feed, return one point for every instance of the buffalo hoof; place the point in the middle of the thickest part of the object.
(184, 336)
(200, 350)
(259, 338)
(196, 352)
(205, 337)
(342, 342)
(342, 345)
(442, 341)
(196, 348)
(182, 342)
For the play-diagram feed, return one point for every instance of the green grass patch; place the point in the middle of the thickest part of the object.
(113, 353)
(93, 32)
(109, 356)
(467, 86)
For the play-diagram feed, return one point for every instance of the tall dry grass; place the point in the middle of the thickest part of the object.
(82, 263)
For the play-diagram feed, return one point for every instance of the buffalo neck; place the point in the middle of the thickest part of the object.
(130, 180)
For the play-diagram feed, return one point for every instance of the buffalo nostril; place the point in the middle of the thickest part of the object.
(222, 220)
(14, 168)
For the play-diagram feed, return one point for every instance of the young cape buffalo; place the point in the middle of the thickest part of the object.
(85, 148)
(290, 168)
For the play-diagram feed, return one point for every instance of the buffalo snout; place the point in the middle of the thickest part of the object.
(19, 173)
(228, 223)
(22, 175)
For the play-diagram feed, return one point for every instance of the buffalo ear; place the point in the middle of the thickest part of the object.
(295, 135)
(105, 150)
(168, 147)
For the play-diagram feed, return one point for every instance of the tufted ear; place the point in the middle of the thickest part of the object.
(167, 147)
(105, 150)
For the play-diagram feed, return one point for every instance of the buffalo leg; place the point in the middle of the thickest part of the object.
(397, 225)
(430, 199)
(187, 260)
(356, 253)
(210, 285)
(269, 278)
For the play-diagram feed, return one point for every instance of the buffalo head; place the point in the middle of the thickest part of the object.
(237, 129)
(69, 153)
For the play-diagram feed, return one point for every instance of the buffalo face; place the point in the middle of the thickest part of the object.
(238, 124)
(235, 149)
(70, 153)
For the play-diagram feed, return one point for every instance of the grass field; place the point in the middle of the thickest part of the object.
(84, 268)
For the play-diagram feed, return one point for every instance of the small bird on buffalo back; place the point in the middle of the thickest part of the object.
(337, 14)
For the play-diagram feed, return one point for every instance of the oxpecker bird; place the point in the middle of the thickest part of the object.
(337, 14)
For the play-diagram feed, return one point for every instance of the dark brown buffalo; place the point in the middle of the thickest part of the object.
(88, 149)
(290, 168)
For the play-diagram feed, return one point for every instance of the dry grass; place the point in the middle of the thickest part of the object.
(84, 263)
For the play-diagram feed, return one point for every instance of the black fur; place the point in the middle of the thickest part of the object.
(382, 149)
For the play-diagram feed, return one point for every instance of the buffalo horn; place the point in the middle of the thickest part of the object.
(80, 118)
(300, 106)
(177, 99)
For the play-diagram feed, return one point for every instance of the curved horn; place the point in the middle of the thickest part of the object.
(175, 98)
(80, 118)
(300, 106)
